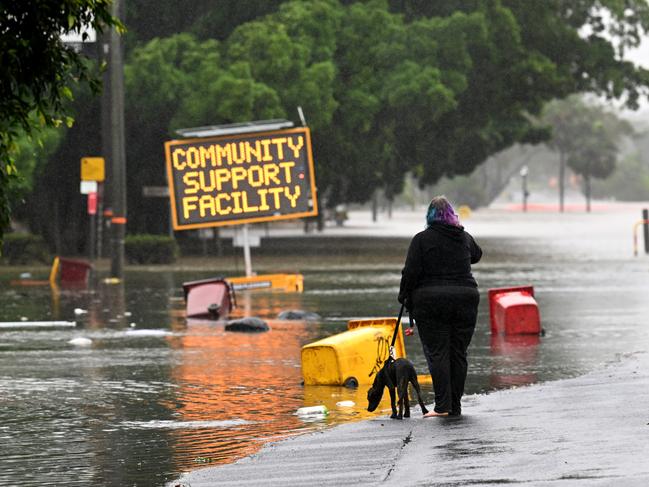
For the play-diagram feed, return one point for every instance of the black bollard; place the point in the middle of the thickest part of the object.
(645, 227)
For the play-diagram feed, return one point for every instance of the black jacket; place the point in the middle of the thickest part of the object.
(441, 255)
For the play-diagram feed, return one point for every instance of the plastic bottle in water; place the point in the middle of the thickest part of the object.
(313, 411)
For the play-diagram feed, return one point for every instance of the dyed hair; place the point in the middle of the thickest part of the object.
(441, 210)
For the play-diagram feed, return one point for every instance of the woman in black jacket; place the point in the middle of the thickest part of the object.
(438, 289)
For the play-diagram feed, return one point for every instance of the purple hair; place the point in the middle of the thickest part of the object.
(441, 210)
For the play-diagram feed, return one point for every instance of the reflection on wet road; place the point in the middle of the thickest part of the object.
(152, 394)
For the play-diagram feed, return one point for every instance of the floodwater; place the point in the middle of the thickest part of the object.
(153, 395)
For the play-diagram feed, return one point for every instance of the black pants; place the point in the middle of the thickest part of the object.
(446, 318)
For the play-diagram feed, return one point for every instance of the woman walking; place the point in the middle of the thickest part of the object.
(438, 289)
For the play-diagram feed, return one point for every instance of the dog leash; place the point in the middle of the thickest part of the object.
(396, 330)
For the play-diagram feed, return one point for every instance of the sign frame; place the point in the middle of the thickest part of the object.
(253, 219)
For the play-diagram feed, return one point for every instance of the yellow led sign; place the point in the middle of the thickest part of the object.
(241, 179)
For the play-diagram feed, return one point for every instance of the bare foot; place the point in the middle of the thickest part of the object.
(434, 414)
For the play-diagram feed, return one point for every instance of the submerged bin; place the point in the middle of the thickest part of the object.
(209, 298)
(74, 272)
(514, 311)
(352, 357)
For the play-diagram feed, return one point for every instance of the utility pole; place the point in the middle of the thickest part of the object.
(118, 152)
(104, 190)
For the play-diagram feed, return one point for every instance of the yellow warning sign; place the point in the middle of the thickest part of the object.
(92, 169)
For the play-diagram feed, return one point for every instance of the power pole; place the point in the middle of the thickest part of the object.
(104, 190)
(118, 152)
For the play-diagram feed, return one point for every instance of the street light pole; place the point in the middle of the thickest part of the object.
(523, 173)
(118, 152)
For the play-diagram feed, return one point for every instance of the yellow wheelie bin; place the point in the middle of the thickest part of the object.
(354, 356)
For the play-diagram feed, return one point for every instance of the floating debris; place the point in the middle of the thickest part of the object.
(148, 332)
(79, 311)
(313, 411)
(345, 404)
(199, 424)
(250, 324)
(81, 342)
(37, 324)
(299, 314)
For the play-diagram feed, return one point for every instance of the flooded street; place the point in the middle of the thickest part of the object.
(153, 394)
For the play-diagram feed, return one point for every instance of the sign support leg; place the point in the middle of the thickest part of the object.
(246, 251)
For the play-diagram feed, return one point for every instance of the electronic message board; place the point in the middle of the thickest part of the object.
(244, 178)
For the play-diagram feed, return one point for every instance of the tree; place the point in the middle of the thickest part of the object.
(434, 91)
(528, 54)
(597, 155)
(488, 181)
(388, 87)
(586, 137)
(31, 156)
(205, 19)
(629, 181)
(38, 71)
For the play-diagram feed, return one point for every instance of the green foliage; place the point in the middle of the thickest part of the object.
(150, 249)
(387, 86)
(163, 72)
(31, 154)
(390, 87)
(24, 248)
(463, 190)
(587, 137)
(231, 96)
(629, 181)
(587, 134)
(38, 70)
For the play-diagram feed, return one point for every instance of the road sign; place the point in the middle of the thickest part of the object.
(92, 169)
(92, 203)
(238, 179)
(239, 240)
(87, 187)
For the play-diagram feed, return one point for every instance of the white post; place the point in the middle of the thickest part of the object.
(246, 251)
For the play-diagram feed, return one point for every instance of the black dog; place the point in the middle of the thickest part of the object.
(395, 373)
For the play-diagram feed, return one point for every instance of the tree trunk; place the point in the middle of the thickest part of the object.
(375, 205)
(562, 177)
(415, 196)
(587, 184)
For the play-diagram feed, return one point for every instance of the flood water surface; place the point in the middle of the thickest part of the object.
(146, 394)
